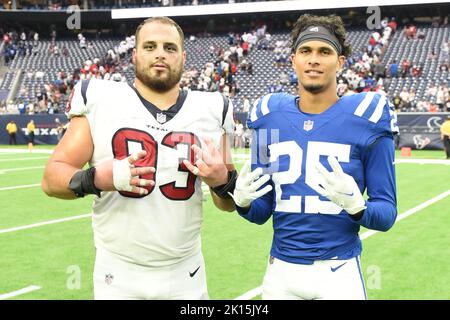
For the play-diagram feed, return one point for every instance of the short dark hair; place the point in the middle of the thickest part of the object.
(164, 20)
(333, 23)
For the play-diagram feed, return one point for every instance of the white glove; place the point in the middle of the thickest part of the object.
(247, 185)
(339, 187)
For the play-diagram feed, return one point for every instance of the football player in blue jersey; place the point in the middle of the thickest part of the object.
(313, 156)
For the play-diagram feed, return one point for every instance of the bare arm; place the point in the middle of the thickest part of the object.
(73, 151)
(70, 155)
(225, 204)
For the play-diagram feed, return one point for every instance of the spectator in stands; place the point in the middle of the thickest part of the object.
(432, 107)
(36, 38)
(56, 50)
(6, 38)
(250, 68)
(433, 55)
(441, 97)
(284, 78)
(11, 128)
(231, 38)
(422, 106)
(42, 102)
(238, 135)
(293, 78)
(393, 69)
(247, 105)
(21, 107)
(406, 64)
(445, 48)
(431, 91)
(444, 67)
(261, 32)
(245, 48)
(410, 32)
(2, 107)
(404, 95)
(379, 71)
(416, 71)
(411, 103)
(83, 43)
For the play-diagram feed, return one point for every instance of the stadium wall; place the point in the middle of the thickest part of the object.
(417, 130)
(45, 133)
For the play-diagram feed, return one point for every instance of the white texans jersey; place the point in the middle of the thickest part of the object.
(162, 227)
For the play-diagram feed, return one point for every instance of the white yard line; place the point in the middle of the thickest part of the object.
(423, 161)
(40, 224)
(20, 169)
(9, 151)
(23, 159)
(21, 187)
(19, 292)
(409, 212)
(257, 291)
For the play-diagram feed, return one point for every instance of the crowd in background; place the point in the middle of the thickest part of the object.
(363, 70)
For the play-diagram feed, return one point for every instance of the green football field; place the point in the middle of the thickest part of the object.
(47, 251)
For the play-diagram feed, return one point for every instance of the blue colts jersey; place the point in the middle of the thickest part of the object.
(287, 143)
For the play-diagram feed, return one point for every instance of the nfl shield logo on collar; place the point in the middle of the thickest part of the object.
(109, 278)
(161, 117)
(308, 125)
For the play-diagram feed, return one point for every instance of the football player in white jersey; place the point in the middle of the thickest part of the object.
(149, 146)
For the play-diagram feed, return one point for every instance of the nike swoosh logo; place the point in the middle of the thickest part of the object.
(335, 269)
(193, 273)
(347, 194)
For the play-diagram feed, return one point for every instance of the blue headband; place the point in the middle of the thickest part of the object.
(318, 33)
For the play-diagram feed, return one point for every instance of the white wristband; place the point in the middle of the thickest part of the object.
(122, 175)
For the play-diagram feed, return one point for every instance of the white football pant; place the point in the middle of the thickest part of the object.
(327, 279)
(115, 279)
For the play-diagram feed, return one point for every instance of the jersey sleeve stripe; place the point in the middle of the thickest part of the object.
(253, 116)
(362, 107)
(226, 104)
(378, 110)
(265, 105)
(84, 86)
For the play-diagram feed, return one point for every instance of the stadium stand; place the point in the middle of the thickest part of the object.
(47, 69)
(42, 66)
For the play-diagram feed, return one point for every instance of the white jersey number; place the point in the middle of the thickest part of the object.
(315, 149)
(121, 141)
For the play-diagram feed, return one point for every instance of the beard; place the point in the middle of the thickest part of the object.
(314, 88)
(159, 83)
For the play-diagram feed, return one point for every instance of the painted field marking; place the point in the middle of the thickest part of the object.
(19, 292)
(257, 291)
(45, 223)
(21, 187)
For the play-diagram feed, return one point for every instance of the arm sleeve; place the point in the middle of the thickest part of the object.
(260, 209)
(379, 171)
